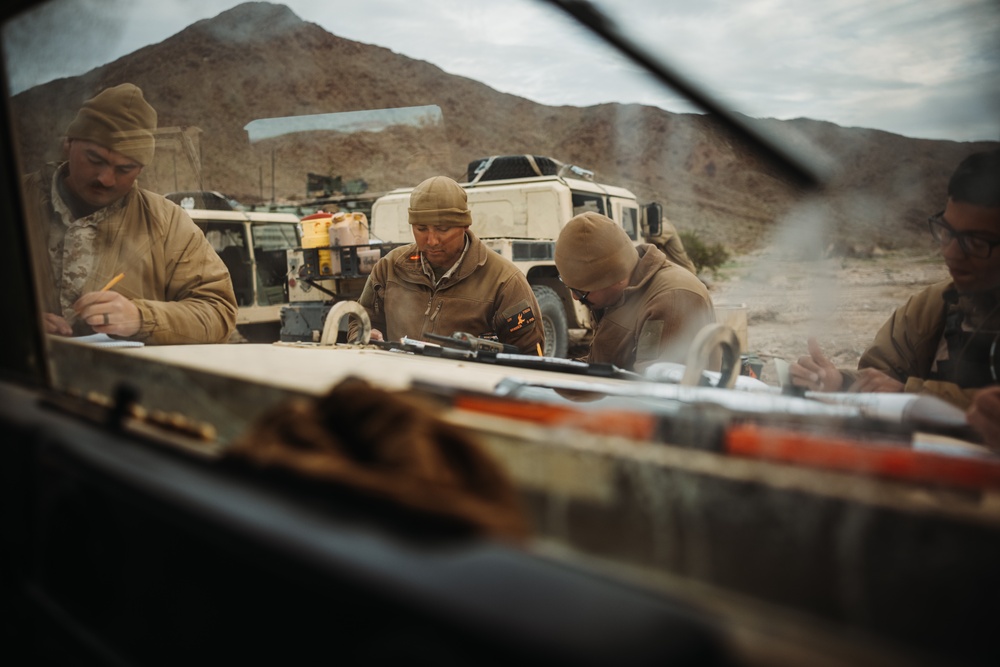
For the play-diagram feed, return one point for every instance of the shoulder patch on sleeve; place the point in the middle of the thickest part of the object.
(518, 317)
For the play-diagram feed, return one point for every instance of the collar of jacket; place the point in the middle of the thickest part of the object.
(982, 308)
(54, 174)
(651, 260)
(410, 269)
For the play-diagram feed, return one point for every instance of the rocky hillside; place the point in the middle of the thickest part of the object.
(260, 60)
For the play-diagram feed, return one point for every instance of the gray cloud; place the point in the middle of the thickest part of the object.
(921, 68)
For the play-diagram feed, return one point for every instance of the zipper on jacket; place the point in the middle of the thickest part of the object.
(437, 311)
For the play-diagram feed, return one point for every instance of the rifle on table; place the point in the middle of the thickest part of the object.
(466, 341)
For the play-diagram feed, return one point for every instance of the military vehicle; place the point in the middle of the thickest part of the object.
(329, 267)
(254, 245)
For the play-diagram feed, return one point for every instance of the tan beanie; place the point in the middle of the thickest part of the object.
(119, 119)
(594, 252)
(439, 202)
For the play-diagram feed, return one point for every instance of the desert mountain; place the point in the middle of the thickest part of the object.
(260, 60)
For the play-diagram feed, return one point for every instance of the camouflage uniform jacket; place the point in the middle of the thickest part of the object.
(486, 296)
(913, 347)
(658, 316)
(180, 286)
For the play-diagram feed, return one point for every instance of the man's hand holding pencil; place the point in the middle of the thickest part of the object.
(109, 312)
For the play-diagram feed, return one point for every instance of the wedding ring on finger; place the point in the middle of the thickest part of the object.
(106, 320)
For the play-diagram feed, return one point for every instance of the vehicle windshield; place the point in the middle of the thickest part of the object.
(350, 114)
(711, 335)
(342, 115)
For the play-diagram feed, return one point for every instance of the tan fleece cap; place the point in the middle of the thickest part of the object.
(439, 202)
(119, 119)
(594, 252)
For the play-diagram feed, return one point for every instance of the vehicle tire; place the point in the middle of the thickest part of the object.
(553, 321)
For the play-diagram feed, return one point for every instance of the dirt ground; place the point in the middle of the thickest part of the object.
(842, 301)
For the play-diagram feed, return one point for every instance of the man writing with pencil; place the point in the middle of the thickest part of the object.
(112, 257)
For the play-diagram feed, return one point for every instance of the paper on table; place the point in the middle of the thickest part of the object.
(933, 442)
(782, 368)
(104, 340)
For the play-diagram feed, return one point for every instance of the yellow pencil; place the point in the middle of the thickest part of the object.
(112, 282)
(539, 346)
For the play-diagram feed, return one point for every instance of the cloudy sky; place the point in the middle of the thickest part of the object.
(920, 68)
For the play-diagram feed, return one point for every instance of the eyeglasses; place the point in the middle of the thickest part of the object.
(579, 294)
(971, 245)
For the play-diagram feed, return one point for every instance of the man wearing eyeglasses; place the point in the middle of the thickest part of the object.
(645, 307)
(945, 339)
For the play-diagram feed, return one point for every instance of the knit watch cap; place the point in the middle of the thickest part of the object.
(439, 202)
(594, 252)
(119, 119)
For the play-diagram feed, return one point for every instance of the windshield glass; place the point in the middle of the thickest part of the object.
(787, 156)
(703, 295)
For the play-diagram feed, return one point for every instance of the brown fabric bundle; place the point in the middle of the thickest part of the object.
(390, 446)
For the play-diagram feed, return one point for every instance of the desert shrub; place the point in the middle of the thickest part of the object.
(706, 257)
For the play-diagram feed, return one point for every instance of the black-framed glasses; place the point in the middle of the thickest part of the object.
(971, 244)
(579, 294)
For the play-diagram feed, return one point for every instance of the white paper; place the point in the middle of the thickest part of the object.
(104, 340)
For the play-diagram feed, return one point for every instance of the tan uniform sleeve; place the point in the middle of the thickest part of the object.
(199, 305)
(947, 391)
(371, 301)
(905, 347)
(668, 327)
(518, 318)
